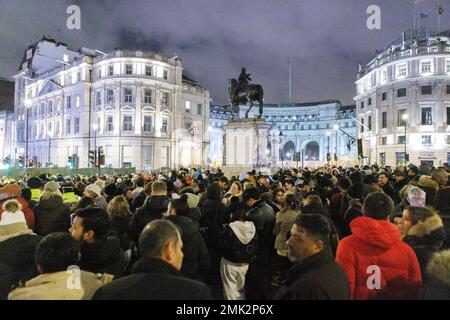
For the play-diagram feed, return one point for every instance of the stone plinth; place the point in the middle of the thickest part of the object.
(246, 142)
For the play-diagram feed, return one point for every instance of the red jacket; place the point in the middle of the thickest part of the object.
(28, 213)
(377, 243)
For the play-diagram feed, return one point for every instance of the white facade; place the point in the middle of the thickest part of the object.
(406, 89)
(137, 105)
(307, 129)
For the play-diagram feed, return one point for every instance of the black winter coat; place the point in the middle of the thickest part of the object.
(153, 209)
(214, 216)
(52, 215)
(196, 258)
(153, 279)
(120, 228)
(426, 238)
(138, 201)
(318, 277)
(262, 215)
(17, 261)
(103, 256)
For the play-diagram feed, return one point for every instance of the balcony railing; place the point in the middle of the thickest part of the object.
(411, 52)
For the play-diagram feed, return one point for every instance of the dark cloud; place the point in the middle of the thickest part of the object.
(325, 39)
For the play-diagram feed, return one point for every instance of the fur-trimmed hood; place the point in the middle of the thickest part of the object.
(427, 182)
(423, 228)
(439, 266)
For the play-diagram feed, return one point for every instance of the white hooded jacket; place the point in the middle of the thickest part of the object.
(244, 231)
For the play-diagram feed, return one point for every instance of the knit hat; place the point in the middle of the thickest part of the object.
(51, 186)
(416, 197)
(12, 223)
(111, 189)
(100, 183)
(192, 200)
(34, 182)
(94, 188)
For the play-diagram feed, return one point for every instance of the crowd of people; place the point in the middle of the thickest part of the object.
(325, 233)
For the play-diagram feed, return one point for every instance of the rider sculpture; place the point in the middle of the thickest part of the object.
(241, 91)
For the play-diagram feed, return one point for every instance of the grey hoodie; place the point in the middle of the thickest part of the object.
(244, 231)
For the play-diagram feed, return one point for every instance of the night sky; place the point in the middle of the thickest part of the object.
(324, 39)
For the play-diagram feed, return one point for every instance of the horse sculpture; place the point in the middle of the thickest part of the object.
(250, 92)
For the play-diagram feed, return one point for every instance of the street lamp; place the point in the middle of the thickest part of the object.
(328, 146)
(336, 128)
(95, 127)
(404, 118)
(49, 146)
(27, 104)
(282, 153)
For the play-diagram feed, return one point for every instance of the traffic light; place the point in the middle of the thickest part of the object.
(21, 161)
(101, 156)
(75, 160)
(70, 162)
(91, 158)
(30, 163)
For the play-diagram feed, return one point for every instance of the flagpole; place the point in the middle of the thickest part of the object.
(414, 19)
(290, 81)
(439, 18)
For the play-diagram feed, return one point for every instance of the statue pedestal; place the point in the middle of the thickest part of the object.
(246, 146)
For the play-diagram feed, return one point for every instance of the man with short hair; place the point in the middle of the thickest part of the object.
(223, 184)
(99, 253)
(315, 275)
(385, 185)
(379, 265)
(55, 255)
(154, 207)
(401, 180)
(156, 276)
(263, 184)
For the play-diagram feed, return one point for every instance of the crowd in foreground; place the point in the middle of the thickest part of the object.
(327, 233)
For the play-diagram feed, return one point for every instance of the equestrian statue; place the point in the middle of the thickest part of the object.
(241, 91)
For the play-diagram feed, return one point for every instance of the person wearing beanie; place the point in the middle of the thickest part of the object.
(35, 184)
(52, 215)
(17, 246)
(196, 258)
(110, 191)
(12, 191)
(93, 191)
(414, 197)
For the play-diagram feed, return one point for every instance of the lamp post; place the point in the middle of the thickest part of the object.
(336, 128)
(328, 146)
(404, 118)
(49, 146)
(282, 154)
(95, 127)
(27, 104)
